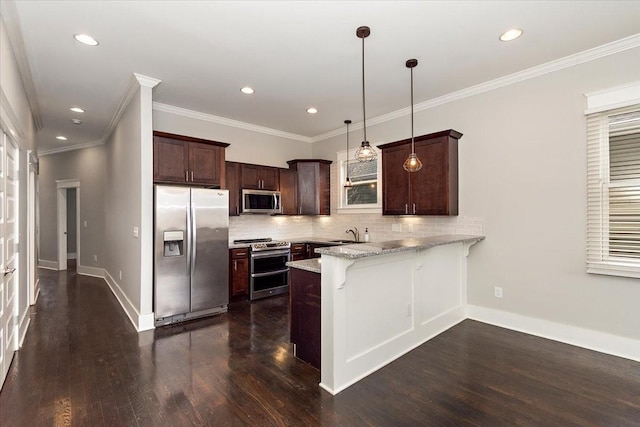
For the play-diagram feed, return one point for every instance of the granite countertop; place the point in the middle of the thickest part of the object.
(295, 240)
(363, 250)
(313, 265)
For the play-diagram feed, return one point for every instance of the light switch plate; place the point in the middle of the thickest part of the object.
(135, 232)
(396, 227)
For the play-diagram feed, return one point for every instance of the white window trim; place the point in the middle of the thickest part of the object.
(598, 259)
(342, 157)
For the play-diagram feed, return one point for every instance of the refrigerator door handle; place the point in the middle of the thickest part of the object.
(188, 245)
(193, 239)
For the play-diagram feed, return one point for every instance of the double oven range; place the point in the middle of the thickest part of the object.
(268, 271)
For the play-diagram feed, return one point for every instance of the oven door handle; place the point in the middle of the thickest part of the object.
(270, 273)
(270, 254)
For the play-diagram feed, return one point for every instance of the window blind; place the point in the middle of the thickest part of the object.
(613, 192)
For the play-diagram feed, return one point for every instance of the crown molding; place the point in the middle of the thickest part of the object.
(146, 80)
(69, 148)
(228, 122)
(135, 82)
(9, 16)
(612, 48)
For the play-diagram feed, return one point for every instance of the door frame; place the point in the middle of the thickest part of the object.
(62, 186)
(32, 230)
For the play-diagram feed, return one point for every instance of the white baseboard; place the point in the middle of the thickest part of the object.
(49, 265)
(24, 326)
(91, 271)
(37, 289)
(140, 323)
(146, 322)
(72, 255)
(581, 337)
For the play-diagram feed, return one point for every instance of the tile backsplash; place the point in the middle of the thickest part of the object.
(277, 227)
(334, 226)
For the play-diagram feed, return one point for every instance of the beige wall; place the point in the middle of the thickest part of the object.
(123, 201)
(87, 166)
(523, 169)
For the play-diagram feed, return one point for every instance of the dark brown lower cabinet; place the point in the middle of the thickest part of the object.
(304, 294)
(298, 251)
(238, 274)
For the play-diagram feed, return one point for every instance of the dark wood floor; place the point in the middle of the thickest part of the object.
(83, 364)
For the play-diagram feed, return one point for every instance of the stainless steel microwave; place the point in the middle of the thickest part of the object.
(261, 202)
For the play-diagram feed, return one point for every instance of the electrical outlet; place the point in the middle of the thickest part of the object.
(135, 232)
(95, 258)
(120, 274)
(396, 227)
(84, 224)
(497, 292)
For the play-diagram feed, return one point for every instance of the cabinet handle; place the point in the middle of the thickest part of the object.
(237, 210)
(300, 210)
(235, 265)
(186, 176)
(406, 209)
(414, 208)
(191, 176)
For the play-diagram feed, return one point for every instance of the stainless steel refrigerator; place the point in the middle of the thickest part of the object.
(191, 253)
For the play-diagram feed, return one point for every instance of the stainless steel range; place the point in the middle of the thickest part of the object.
(269, 274)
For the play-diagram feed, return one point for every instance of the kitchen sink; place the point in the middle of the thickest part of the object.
(343, 241)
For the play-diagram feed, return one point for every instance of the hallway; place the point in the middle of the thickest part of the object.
(82, 363)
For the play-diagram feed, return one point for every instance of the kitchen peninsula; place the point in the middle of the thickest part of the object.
(380, 300)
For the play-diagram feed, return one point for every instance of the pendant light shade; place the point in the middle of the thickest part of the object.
(347, 182)
(365, 153)
(413, 163)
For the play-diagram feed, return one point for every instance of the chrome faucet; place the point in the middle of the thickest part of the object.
(355, 232)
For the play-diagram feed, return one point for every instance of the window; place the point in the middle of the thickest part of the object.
(613, 192)
(365, 194)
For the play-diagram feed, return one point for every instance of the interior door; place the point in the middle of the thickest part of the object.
(62, 229)
(8, 256)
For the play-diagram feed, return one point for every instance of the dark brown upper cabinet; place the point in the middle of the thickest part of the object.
(258, 177)
(179, 159)
(313, 186)
(433, 190)
(288, 191)
(233, 185)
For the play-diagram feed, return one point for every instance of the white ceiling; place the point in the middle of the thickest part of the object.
(295, 54)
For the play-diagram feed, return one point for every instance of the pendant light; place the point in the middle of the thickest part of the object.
(347, 182)
(413, 163)
(365, 153)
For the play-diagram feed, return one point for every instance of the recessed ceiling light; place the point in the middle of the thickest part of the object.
(77, 109)
(511, 34)
(76, 121)
(247, 90)
(86, 39)
(61, 138)
(312, 110)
